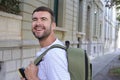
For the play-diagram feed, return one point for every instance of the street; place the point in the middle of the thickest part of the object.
(103, 64)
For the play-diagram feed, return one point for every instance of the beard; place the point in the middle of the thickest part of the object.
(44, 35)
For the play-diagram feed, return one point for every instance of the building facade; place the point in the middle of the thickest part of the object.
(99, 26)
(87, 24)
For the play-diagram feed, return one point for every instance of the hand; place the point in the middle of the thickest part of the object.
(31, 72)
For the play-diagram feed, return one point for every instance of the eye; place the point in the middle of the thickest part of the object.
(44, 19)
(34, 19)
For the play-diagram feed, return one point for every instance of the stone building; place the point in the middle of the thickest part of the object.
(98, 23)
(87, 24)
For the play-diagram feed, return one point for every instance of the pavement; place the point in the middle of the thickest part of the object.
(102, 64)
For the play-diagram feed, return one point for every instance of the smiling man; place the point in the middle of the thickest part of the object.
(54, 65)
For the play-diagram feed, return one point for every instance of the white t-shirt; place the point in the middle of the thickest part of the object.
(54, 65)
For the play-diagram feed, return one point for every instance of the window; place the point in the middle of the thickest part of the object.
(100, 30)
(58, 10)
(88, 23)
(105, 30)
(80, 16)
(95, 23)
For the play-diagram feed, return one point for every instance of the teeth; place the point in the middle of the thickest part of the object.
(38, 28)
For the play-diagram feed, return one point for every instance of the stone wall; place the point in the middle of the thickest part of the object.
(11, 62)
(10, 42)
(13, 58)
(10, 26)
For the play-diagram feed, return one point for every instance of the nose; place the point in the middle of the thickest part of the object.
(38, 22)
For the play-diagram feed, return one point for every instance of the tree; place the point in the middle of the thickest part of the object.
(10, 6)
(117, 3)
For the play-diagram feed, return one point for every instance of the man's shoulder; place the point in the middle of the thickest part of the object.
(57, 41)
(56, 50)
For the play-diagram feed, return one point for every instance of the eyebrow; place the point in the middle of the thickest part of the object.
(43, 18)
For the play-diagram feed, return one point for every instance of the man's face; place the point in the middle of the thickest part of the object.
(41, 24)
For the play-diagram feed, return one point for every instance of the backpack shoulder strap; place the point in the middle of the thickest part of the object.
(39, 59)
(86, 67)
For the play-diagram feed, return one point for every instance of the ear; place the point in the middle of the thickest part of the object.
(53, 25)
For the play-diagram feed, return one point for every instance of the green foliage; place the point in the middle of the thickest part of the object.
(117, 3)
(10, 6)
(118, 13)
(115, 71)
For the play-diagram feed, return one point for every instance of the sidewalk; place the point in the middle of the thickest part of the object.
(100, 63)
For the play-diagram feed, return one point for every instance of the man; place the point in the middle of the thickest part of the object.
(54, 65)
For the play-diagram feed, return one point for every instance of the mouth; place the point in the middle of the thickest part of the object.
(39, 28)
(37, 31)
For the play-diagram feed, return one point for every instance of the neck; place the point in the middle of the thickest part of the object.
(46, 42)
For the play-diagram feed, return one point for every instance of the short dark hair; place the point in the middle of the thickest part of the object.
(43, 8)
